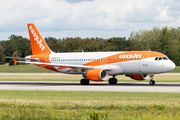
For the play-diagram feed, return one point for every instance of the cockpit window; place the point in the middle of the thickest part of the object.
(165, 58)
(160, 58)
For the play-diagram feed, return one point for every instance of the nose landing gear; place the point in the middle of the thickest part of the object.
(152, 82)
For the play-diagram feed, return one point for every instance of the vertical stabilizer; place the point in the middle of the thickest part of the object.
(38, 45)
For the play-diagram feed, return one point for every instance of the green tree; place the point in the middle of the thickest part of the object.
(24, 46)
(118, 44)
(2, 56)
(15, 54)
(17, 43)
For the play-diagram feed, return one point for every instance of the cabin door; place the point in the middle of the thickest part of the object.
(145, 60)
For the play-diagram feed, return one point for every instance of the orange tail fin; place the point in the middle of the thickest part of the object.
(38, 45)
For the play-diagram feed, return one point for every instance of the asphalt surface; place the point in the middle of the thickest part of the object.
(93, 86)
(64, 74)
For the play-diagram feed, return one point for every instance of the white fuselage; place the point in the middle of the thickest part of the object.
(119, 65)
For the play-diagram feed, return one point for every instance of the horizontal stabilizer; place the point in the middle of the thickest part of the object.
(19, 58)
(15, 61)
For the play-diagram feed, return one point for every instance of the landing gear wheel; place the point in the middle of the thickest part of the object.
(112, 81)
(84, 82)
(152, 82)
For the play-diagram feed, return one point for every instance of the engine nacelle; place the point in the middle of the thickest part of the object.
(139, 76)
(97, 74)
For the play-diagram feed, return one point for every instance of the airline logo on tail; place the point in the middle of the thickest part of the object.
(38, 44)
(36, 38)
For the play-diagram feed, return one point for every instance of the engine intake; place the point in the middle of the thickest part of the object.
(97, 74)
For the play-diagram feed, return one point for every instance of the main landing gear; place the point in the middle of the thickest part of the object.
(84, 81)
(152, 82)
(112, 80)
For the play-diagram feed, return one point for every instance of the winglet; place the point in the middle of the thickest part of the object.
(15, 61)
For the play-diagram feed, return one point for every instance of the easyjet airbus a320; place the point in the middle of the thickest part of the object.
(96, 66)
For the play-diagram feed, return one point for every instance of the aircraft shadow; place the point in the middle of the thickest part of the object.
(91, 84)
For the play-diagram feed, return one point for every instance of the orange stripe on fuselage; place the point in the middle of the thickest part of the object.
(120, 57)
(42, 66)
(44, 58)
(125, 56)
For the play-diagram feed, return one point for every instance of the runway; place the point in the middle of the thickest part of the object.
(39, 74)
(101, 86)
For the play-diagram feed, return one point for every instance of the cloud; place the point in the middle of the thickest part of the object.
(142, 12)
(88, 15)
(76, 1)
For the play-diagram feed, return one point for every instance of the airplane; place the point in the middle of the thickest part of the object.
(96, 66)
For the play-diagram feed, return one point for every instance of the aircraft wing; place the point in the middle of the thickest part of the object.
(42, 64)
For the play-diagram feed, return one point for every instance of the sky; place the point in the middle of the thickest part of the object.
(86, 18)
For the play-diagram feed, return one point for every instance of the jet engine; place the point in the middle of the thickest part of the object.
(139, 76)
(97, 74)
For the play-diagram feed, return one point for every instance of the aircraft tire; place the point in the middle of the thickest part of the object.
(152, 82)
(112, 81)
(84, 82)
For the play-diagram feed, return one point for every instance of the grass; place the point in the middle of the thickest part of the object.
(123, 112)
(72, 78)
(82, 105)
(88, 105)
(176, 70)
(34, 69)
(23, 69)
(93, 97)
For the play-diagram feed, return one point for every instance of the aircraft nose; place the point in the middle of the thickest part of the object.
(171, 66)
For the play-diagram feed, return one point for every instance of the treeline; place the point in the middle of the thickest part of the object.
(165, 40)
